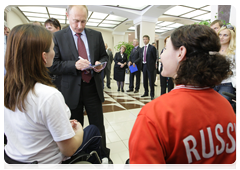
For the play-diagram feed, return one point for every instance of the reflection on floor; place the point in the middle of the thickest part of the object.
(120, 112)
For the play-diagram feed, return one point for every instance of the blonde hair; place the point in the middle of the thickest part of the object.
(123, 47)
(232, 44)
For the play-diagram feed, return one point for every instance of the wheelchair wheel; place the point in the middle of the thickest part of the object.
(82, 165)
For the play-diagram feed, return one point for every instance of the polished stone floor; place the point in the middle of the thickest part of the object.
(120, 111)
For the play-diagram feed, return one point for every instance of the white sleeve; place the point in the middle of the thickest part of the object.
(55, 115)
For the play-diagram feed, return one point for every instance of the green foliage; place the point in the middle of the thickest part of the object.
(206, 22)
(129, 47)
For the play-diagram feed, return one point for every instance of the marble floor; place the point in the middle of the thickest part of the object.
(120, 111)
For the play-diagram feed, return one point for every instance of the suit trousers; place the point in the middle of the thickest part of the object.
(131, 80)
(163, 83)
(107, 73)
(93, 106)
(148, 75)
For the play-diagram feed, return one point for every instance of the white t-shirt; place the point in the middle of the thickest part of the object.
(32, 135)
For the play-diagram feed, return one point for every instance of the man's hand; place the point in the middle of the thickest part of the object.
(129, 63)
(133, 64)
(77, 127)
(81, 64)
(98, 68)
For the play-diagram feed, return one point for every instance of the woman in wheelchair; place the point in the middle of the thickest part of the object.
(36, 118)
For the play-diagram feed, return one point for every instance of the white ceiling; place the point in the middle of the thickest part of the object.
(123, 17)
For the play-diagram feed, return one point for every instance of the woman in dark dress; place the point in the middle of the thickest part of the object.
(120, 60)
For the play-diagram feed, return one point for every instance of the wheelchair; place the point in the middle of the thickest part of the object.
(81, 158)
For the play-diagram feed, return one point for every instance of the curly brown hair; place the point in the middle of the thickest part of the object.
(199, 68)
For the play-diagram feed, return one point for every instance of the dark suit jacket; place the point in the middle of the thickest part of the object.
(109, 63)
(65, 58)
(151, 57)
(135, 58)
(119, 58)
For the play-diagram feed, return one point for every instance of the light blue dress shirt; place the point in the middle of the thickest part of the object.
(85, 41)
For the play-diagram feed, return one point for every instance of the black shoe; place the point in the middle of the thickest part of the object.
(127, 164)
(129, 90)
(155, 85)
(122, 90)
(109, 87)
(110, 164)
(152, 98)
(144, 95)
(118, 89)
(136, 91)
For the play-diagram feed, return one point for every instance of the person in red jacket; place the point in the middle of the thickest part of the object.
(192, 124)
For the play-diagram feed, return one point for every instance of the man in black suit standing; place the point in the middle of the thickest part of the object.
(107, 70)
(148, 55)
(135, 60)
(76, 47)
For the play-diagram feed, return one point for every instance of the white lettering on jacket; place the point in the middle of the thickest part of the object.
(218, 149)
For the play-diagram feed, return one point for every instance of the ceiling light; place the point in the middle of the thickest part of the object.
(165, 23)
(111, 22)
(131, 28)
(138, 7)
(91, 24)
(57, 16)
(32, 19)
(115, 18)
(195, 6)
(207, 8)
(178, 10)
(34, 9)
(193, 14)
(60, 11)
(95, 20)
(203, 17)
(29, 14)
(97, 15)
(107, 25)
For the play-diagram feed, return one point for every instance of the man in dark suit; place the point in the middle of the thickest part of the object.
(76, 47)
(107, 70)
(135, 60)
(148, 55)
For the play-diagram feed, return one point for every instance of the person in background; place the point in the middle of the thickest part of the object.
(36, 118)
(37, 23)
(216, 25)
(193, 124)
(6, 32)
(149, 57)
(120, 66)
(227, 37)
(76, 47)
(107, 70)
(135, 60)
(54, 25)
(155, 71)
(165, 81)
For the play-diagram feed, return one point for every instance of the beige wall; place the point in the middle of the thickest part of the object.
(13, 19)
